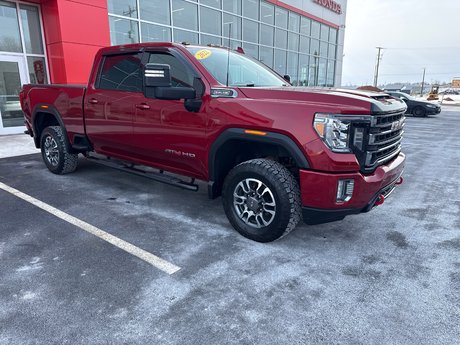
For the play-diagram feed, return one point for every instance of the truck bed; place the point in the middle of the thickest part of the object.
(66, 100)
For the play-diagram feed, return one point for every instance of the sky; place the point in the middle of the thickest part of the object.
(416, 34)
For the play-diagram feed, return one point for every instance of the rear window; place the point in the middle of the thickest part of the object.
(121, 72)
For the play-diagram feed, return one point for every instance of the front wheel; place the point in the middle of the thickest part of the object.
(419, 111)
(55, 151)
(261, 199)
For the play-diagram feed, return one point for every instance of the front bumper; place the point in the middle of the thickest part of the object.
(319, 191)
(433, 111)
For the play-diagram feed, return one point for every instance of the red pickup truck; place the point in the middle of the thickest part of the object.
(274, 152)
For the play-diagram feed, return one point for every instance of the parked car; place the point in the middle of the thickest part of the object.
(416, 107)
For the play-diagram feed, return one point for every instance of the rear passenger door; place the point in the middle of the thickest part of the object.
(109, 104)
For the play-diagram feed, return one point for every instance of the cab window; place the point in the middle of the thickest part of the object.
(181, 75)
(121, 72)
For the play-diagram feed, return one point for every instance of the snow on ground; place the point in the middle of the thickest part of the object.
(443, 99)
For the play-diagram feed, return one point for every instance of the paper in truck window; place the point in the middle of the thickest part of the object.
(203, 54)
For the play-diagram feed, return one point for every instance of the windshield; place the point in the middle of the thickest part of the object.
(404, 95)
(243, 71)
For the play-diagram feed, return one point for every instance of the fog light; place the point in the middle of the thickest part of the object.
(345, 190)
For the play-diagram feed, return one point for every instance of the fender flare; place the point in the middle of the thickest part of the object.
(282, 140)
(46, 109)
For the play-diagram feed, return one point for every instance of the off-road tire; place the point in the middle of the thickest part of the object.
(55, 150)
(419, 111)
(283, 187)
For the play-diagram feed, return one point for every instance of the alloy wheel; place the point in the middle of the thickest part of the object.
(254, 203)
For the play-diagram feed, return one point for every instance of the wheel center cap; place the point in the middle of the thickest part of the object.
(253, 204)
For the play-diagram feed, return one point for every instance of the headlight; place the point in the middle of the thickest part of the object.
(431, 106)
(335, 129)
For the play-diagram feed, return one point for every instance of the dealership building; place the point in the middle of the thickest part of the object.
(54, 41)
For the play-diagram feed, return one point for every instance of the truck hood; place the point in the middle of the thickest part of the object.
(346, 101)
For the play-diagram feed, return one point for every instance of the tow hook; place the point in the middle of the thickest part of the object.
(380, 200)
(400, 181)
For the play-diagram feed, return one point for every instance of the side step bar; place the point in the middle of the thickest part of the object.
(153, 175)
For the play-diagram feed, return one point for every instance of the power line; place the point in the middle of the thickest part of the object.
(431, 73)
(422, 48)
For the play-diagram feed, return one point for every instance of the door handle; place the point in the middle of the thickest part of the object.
(143, 106)
(93, 101)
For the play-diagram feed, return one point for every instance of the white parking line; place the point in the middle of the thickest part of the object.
(154, 260)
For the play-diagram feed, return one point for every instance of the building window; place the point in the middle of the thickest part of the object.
(293, 67)
(208, 39)
(280, 61)
(155, 33)
(303, 69)
(125, 8)
(232, 27)
(210, 21)
(280, 37)
(293, 42)
(123, 31)
(281, 18)
(251, 50)
(315, 29)
(266, 35)
(233, 6)
(267, 13)
(324, 32)
(185, 15)
(304, 44)
(251, 9)
(10, 37)
(250, 31)
(266, 56)
(185, 36)
(157, 11)
(212, 3)
(37, 70)
(30, 21)
(294, 22)
(305, 26)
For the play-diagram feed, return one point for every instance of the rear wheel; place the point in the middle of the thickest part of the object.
(55, 151)
(261, 199)
(419, 111)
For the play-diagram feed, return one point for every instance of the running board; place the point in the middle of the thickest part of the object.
(156, 176)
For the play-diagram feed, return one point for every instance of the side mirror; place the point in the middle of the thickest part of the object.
(157, 75)
(287, 78)
(175, 93)
(158, 84)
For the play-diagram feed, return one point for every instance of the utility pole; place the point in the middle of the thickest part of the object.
(423, 82)
(376, 74)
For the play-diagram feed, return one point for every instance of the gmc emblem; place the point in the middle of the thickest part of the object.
(396, 125)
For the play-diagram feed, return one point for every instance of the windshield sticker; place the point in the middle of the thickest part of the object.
(203, 54)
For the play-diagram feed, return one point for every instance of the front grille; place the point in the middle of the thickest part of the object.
(381, 140)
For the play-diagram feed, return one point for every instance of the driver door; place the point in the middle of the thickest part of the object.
(165, 133)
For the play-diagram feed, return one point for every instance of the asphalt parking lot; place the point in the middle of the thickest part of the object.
(391, 276)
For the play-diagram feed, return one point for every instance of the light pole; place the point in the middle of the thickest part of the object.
(376, 74)
(423, 82)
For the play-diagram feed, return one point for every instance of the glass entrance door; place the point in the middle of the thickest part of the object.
(12, 77)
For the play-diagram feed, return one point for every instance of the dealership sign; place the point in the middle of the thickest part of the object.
(330, 4)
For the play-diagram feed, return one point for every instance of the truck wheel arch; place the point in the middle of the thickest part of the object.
(44, 116)
(229, 144)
